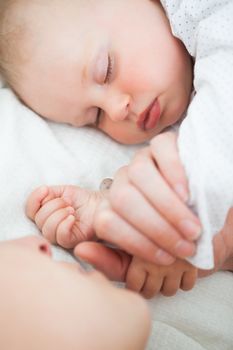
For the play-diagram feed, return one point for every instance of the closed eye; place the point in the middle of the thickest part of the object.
(106, 81)
(109, 70)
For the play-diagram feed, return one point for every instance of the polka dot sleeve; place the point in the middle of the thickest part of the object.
(206, 134)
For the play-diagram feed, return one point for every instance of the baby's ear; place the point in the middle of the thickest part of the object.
(113, 263)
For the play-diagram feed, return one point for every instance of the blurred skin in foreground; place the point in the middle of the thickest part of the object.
(53, 305)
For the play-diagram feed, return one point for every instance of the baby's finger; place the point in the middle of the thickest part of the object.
(112, 228)
(164, 151)
(48, 209)
(146, 178)
(188, 279)
(64, 235)
(152, 286)
(35, 200)
(49, 228)
(171, 285)
(135, 278)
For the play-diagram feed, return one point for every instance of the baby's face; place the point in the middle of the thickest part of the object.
(111, 64)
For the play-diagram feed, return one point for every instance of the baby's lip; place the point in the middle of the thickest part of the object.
(149, 118)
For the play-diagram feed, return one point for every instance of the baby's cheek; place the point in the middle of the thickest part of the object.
(136, 75)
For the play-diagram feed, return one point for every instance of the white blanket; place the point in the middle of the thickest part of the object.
(205, 136)
(35, 152)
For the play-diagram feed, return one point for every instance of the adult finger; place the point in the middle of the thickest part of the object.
(164, 151)
(131, 205)
(110, 227)
(144, 175)
(140, 214)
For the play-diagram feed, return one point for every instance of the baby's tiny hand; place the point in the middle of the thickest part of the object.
(64, 214)
(149, 279)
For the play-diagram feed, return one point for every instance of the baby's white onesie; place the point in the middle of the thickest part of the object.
(206, 135)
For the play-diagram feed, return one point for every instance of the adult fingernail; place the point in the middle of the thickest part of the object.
(190, 228)
(163, 257)
(185, 249)
(182, 192)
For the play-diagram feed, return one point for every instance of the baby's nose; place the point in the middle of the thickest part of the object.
(118, 108)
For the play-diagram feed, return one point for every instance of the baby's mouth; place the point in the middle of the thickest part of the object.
(150, 117)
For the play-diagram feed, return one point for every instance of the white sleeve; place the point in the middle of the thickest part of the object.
(206, 135)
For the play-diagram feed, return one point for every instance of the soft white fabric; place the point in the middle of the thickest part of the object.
(206, 135)
(197, 320)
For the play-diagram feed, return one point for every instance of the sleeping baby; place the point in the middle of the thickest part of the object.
(85, 70)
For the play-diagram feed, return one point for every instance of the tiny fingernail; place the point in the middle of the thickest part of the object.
(182, 192)
(70, 210)
(184, 249)
(163, 257)
(190, 228)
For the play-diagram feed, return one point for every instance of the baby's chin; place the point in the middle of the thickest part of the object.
(132, 138)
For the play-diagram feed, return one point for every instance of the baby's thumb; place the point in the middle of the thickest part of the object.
(113, 263)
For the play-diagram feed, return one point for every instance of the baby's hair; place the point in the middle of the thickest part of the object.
(10, 34)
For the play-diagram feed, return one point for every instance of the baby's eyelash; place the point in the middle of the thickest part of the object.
(109, 70)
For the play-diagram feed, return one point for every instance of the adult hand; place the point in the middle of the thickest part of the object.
(114, 263)
(145, 213)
